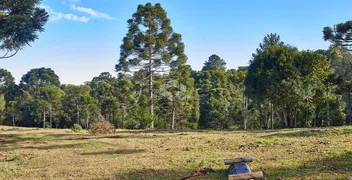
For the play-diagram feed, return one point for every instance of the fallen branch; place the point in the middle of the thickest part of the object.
(200, 171)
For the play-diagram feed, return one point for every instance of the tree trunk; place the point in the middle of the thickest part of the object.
(173, 118)
(295, 119)
(285, 119)
(244, 112)
(44, 118)
(51, 117)
(77, 114)
(112, 117)
(272, 115)
(87, 127)
(123, 115)
(263, 115)
(327, 113)
(305, 118)
(349, 107)
(13, 119)
(279, 116)
(151, 108)
(327, 122)
(316, 118)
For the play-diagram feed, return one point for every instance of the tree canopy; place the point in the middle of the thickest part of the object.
(214, 63)
(150, 44)
(20, 22)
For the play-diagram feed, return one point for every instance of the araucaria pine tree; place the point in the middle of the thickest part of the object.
(150, 44)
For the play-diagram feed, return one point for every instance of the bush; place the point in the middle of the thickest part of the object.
(47, 125)
(76, 128)
(104, 127)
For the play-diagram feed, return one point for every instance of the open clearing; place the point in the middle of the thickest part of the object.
(324, 153)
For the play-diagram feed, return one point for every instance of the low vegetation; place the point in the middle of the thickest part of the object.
(103, 127)
(30, 153)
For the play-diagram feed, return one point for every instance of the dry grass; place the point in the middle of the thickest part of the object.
(62, 154)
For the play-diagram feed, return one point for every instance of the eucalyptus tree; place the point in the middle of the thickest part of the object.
(78, 102)
(52, 96)
(7, 85)
(103, 88)
(341, 61)
(20, 22)
(287, 78)
(88, 105)
(125, 96)
(237, 77)
(11, 111)
(150, 44)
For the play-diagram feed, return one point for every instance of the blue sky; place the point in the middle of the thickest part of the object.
(83, 37)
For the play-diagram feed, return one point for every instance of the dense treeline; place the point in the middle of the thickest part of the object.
(281, 87)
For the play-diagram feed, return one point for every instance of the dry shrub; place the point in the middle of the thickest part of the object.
(103, 127)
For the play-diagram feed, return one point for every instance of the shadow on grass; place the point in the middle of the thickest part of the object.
(339, 166)
(312, 132)
(152, 174)
(93, 144)
(52, 147)
(115, 152)
(15, 138)
(159, 131)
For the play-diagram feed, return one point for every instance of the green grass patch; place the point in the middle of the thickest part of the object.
(320, 153)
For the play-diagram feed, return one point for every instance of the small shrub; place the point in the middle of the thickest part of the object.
(104, 127)
(47, 125)
(76, 128)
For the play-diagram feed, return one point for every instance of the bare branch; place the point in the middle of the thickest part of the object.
(5, 56)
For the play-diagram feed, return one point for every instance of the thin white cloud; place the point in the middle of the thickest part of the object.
(92, 13)
(76, 18)
(70, 1)
(56, 16)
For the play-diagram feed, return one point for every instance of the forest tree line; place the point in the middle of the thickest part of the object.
(282, 87)
(155, 88)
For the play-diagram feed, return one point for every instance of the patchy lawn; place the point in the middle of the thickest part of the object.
(30, 153)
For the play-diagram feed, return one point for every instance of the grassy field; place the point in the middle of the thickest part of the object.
(61, 154)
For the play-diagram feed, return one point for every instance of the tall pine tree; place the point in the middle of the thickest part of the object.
(150, 44)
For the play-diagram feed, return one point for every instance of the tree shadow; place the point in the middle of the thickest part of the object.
(304, 133)
(161, 174)
(115, 152)
(339, 165)
(52, 147)
(10, 142)
(15, 138)
(159, 131)
(312, 132)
